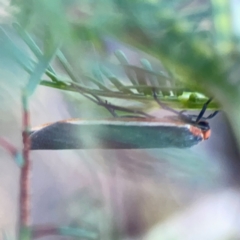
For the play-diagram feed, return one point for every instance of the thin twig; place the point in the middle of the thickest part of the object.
(24, 213)
(8, 147)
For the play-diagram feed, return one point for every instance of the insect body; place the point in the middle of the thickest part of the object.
(124, 132)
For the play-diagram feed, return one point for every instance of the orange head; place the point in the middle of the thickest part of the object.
(206, 131)
(206, 134)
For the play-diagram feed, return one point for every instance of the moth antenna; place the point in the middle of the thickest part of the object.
(187, 117)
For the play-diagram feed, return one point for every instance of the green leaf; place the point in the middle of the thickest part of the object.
(40, 68)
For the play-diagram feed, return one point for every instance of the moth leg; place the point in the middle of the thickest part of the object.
(109, 108)
(165, 106)
(112, 108)
(107, 105)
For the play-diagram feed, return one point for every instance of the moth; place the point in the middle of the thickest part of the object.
(129, 132)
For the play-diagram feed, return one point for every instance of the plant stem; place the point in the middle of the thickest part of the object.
(24, 213)
(8, 147)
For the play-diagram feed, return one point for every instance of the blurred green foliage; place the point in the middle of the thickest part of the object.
(184, 47)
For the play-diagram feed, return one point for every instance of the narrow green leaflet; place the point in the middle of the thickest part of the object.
(39, 70)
